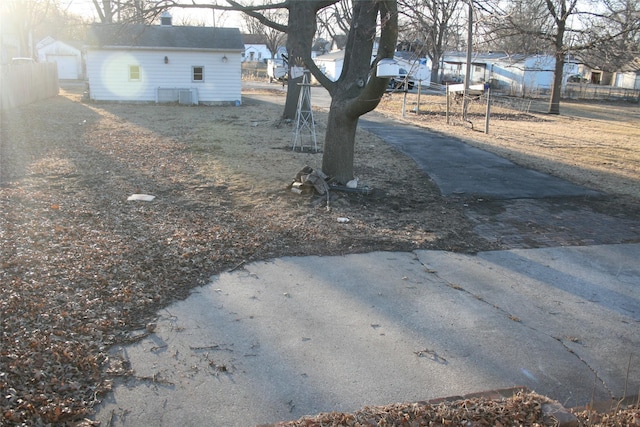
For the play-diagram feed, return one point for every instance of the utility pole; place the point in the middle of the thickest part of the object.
(467, 76)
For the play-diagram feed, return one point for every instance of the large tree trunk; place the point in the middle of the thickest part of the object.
(302, 28)
(435, 69)
(358, 90)
(293, 95)
(560, 16)
(556, 89)
(339, 144)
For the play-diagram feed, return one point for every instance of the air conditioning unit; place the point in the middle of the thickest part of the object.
(167, 95)
(182, 96)
(186, 97)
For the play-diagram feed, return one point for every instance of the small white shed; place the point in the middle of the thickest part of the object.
(67, 57)
(331, 64)
(164, 63)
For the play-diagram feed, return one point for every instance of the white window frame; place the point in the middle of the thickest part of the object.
(193, 74)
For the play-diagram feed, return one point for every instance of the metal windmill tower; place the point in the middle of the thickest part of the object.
(304, 114)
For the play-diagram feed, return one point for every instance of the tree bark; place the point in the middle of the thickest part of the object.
(556, 89)
(339, 144)
(435, 69)
(560, 12)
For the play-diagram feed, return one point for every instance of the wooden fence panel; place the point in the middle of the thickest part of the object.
(22, 84)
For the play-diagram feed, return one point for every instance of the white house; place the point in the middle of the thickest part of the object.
(529, 75)
(629, 76)
(67, 57)
(418, 69)
(255, 48)
(516, 74)
(164, 63)
(331, 64)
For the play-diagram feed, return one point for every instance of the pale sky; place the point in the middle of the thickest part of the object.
(193, 16)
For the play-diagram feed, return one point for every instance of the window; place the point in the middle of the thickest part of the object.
(134, 73)
(197, 74)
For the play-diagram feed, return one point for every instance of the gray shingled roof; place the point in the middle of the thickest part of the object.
(164, 36)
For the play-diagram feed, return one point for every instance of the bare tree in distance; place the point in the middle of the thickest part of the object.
(106, 10)
(272, 37)
(432, 24)
(334, 22)
(560, 13)
(522, 28)
(25, 19)
(578, 28)
(612, 37)
(129, 11)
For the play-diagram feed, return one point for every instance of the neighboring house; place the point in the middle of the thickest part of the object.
(331, 65)
(164, 63)
(255, 48)
(517, 74)
(453, 66)
(419, 69)
(67, 57)
(281, 53)
(629, 76)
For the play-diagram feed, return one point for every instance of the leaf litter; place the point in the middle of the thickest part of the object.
(82, 268)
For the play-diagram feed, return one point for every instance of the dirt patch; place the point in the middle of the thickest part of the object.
(83, 267)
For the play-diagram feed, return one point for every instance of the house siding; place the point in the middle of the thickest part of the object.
(331, 68)
(68, 58)
(108, 72)
(527, 77)
(628, 80)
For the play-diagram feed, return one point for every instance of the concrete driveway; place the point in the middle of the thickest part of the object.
(294, 336)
